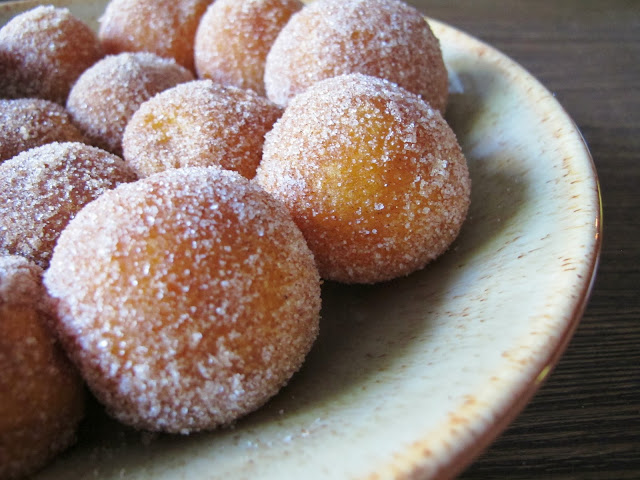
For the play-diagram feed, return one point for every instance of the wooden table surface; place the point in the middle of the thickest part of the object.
(584, 423)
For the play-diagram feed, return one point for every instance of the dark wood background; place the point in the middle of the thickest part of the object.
(584, 423)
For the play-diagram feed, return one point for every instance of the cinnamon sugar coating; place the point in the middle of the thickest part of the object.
(164, 27)
(383, 38)
(199, 123)
(195, 304)
(106, 95)
(43, 188)
(41, 394)
(30, 122)
(234, 38)
(373, 176)
(42, 53)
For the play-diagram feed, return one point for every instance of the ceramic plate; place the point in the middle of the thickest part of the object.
(413, 378)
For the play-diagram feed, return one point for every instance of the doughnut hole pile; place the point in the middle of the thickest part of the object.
(41, 394)
(189, 297)
(372, 175)
(164, 27)
(108, 93)
(43, 188)
(42, 53)
(195, 304)
(234, 38)
(30, 122)
(199, 123)
(382, 38)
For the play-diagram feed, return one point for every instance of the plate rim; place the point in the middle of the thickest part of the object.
(461, 459)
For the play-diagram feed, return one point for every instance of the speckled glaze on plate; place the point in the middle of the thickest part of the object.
(411, 379)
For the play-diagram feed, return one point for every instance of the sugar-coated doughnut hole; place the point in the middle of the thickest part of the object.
(372, 175)
(41, 394)
(30, 122)
(164, 27)
(43, 51)
(195, 304)
(107, 94)
(234, 37)
(382, 38)
(199, 123)
(43, 188)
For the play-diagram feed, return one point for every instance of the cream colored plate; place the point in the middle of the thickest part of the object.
(411, 379)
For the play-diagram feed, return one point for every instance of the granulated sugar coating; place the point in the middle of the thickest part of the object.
(164, 27)
(43, 51)
(106, 95)
(234, 37)
(30, 122)
(382, 38)
(372, 175)
(199, 123)
(195, 304)
(43, 188)
(41, 394)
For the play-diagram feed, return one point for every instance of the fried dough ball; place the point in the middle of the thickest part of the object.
(43, 188)
(41, 394)
(30, 122)
(199, 123)
(234, 37)
(382, 38)
(164, 27)
(196, 303)
(43, 51)
(372, 175)
(106, 95)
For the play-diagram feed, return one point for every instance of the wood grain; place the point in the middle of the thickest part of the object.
(584, 423)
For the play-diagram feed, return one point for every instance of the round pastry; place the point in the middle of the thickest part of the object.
(30, 122)
(43, 51)
(372, 175)
(106, 95)
(199, 123)
(382, 38)
(234, 37)
(41, 394)
(164, 27)
(195, 304)
(43, 188)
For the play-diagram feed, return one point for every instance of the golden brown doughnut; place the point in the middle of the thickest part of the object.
(43, 188)
(199, 123)
(43, 51)
(372, 175)
(106, 95)
(382, 38)
(41, 394)
(195, 304)
(30, 122)
(234, 37)
(164, 27)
